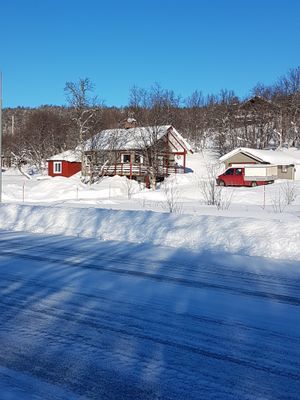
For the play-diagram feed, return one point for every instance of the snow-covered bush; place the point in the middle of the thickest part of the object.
(224, 200)
(289, 192)
(131, 187)
(207, 185)
(284, 196)
(171, 194)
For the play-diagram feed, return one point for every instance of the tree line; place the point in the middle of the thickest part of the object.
(270, 116)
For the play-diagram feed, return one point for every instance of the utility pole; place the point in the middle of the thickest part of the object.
(0, 136)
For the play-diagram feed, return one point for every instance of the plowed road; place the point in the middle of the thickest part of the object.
(86, 319)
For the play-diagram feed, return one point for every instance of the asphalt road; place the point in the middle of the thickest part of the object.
(104, 320)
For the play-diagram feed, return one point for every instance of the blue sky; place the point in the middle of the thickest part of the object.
(182, 45)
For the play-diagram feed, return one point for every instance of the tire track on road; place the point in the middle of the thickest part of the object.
(292, 300)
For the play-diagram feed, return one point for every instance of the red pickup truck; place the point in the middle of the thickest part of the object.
(248, 175)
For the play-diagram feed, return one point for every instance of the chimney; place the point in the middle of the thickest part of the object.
(130, 123)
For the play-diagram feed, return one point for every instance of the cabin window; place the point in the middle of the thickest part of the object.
(138, 159)
(284, 168)
(57, 167)
(238, 171)
(229, 171)
(125, 158)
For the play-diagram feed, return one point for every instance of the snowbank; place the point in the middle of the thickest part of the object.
(267, 238)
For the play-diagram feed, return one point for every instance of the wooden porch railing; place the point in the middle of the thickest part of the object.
(133, 169)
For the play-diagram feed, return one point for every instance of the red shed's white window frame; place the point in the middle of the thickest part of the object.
(57, 167)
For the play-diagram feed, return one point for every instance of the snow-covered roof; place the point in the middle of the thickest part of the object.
(278, 157)
(133, 138)
(69, 155)
(293, 152)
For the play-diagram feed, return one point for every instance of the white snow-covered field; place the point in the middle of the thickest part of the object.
(250, 221)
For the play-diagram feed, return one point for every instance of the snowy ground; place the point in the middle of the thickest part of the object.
(115, 193)
(273, 238)
(83, 318)
(251, 221)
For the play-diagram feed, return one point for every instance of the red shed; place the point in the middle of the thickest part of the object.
(64, 164)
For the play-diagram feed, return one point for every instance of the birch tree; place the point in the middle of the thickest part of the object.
(80, 98)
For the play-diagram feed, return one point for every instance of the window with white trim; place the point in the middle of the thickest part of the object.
(57, 167)
(284, 169)
(125, 158)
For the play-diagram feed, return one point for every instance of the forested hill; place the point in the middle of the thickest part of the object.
(269, 116)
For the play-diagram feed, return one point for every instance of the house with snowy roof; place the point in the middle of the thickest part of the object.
(64, 164)
(286, 160)
(141, 153)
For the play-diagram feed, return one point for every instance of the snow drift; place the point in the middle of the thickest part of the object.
(247, 236)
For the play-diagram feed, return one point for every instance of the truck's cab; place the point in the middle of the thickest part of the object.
(232, 177)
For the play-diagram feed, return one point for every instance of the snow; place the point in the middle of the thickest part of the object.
(130, 139)
(69, 155)
(268, 238)
(293, 152)
(119, 209)
(279, 156)
(105, 294)
(125, 139)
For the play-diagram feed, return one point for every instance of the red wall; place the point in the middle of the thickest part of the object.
(73, 168)
(68, 168)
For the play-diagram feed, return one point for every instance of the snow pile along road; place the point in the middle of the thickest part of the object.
(247, 236)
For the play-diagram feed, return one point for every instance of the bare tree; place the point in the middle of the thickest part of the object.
(289, 192)
(284, 196)
(287, 93)
(222, 120)
(171, 193)
(278, 201)
(83, 104)
(212, 193)
(131, 187)
(101, 153)
(155, 106)
(18, 161)
(152, 109)
(39, 137)
(207, 183)
(196, 129)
